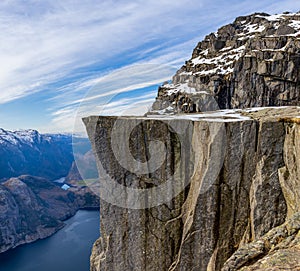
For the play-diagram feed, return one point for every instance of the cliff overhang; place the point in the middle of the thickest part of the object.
(211, 191)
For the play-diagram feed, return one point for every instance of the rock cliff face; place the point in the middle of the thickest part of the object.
(225, 193)
(237, 206)
(252, 62)
(279, 249)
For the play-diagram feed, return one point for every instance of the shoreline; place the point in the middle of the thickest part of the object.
(53, 232)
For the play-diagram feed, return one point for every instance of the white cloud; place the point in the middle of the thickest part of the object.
(43, 47)
(48, 42)
(70, 118)
(123, 80)
(102, 97)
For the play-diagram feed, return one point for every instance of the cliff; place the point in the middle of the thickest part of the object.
(220, 193)
(185, 190)
(32, 208)
(253, 61)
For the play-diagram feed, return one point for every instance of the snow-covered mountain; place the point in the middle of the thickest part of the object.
(29, 152)
(254, 61)
(28, 137)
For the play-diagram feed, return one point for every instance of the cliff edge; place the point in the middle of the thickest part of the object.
(225, 197)
(192, 187)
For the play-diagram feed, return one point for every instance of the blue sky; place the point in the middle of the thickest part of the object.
(62, 59)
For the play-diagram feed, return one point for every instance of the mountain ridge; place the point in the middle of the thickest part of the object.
(44, 155)
(251, 62)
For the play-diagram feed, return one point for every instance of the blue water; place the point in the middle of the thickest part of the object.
(67, 250)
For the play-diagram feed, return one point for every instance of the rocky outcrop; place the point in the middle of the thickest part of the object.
(253, 61)
(223, 196)
(33, 208)
(222, 191)
(87, 165)
(279, 249)
(86, 197)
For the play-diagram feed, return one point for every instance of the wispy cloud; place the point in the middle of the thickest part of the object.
(45, 43)
(60, 49)
(127, 91)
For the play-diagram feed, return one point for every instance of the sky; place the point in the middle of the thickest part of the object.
(61, 60)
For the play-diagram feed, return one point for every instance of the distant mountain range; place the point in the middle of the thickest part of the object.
(33, 207)
(45, 155)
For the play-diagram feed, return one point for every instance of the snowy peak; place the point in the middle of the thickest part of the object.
(219, 51)
(279, 17)
(27, 152)
(286, 24)
(17, 137)
(32, 153)
(28, 136)
(254, 61)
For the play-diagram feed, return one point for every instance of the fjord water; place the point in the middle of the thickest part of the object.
(67, 250)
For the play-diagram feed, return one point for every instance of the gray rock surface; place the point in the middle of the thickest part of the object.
(238, 171)
(279, 249)
(239, 199)
(251, 62)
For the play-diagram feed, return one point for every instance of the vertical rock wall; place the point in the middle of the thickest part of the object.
(237, 183)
